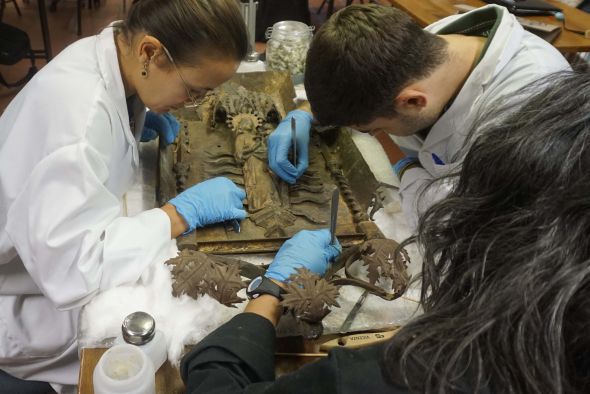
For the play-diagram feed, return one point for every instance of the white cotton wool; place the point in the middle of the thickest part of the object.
(183, 320)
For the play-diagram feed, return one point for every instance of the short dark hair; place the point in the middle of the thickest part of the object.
(506, 271)
(360, 60)
(191, 28)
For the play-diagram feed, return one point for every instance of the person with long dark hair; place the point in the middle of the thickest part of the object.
(505, 282)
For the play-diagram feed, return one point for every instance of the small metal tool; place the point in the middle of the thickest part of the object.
(334, 215)
(359, 340)
(294, 140)
(233, 224)
(353, 312)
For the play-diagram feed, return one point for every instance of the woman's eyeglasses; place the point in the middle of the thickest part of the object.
(197, 97)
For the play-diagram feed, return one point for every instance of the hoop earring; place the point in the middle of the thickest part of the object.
(144, 72)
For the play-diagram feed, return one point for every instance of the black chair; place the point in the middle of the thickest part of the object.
(330, 4)
(14, 47)
(79, 5)
(271, 11)
(3, 4)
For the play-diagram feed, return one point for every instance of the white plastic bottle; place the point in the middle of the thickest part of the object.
(124, 369)
(139, 329)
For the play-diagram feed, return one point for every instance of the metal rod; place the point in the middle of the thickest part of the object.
(253, 56)
(294, 140)
(353, 312)
(252, 24)
(334, 215)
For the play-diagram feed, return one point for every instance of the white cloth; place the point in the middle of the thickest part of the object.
(513, 59)
(67, 156)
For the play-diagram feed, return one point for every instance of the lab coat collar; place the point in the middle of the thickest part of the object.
(502, 48)
(108, 64)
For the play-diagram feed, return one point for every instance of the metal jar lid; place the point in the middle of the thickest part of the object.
(290, 30)
(138, 328)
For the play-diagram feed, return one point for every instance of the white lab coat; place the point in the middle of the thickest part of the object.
(67, 156)
(513, 59)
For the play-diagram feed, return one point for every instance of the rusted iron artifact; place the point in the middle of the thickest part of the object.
(308, 297)
(270, 203)
(196, 274)
(227, 136)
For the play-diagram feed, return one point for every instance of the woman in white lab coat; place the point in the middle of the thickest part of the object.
(68, 153)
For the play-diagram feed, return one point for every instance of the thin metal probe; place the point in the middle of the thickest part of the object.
(334, 215)
(294, 140)
(345, 327)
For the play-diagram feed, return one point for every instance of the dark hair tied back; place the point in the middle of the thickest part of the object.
(191, 28)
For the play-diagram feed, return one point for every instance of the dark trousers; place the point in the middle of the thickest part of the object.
(12, 385)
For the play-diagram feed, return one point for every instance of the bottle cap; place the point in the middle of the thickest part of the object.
(138, 328)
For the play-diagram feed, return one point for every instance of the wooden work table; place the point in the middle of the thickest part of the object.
(291, 354)
(168, 379)
(429, 11)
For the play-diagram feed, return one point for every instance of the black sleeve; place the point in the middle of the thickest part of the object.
(237, 354)
(238, 357)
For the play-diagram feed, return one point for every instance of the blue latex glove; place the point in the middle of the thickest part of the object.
(279, 146)
(309, 249)
(166, 126)
(211, 201)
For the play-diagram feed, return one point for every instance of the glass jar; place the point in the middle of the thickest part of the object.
(286, 49)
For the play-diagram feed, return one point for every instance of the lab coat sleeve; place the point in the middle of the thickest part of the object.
(68, 229)
(418, 193)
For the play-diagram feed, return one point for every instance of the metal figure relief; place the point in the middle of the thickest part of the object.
(271, 202)
(227, 136)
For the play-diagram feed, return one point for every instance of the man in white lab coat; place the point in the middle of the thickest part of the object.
(373, 68)
(68, 153)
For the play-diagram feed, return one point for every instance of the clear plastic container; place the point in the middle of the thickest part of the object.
(286, 49)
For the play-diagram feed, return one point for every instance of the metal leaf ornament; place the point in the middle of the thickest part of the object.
(196, 273)
(224, 284)
(309, 297)
(383, 260)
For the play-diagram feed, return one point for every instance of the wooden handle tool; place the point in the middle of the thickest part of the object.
(354, 341)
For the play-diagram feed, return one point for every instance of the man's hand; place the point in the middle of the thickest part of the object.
(307, 249)
(279, 145)
(212, 201)
(166, 126)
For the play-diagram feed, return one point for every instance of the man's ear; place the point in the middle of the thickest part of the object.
(410, 101)
(148, 48)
